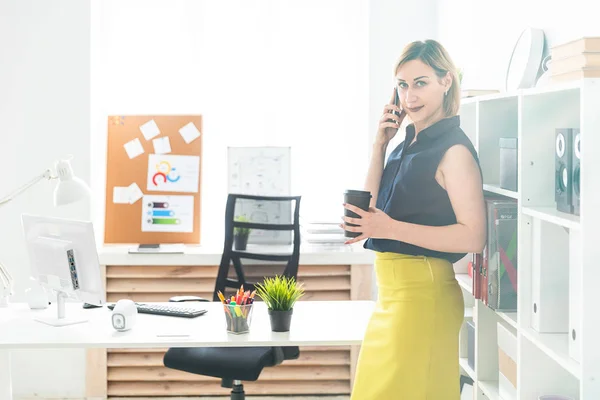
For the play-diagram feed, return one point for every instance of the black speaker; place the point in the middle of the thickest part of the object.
(575, 174)
(563, 163)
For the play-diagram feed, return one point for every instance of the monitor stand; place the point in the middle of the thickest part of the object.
(60, 320)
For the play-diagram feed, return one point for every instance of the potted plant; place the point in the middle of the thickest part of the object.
(280, 294)
(240, 234)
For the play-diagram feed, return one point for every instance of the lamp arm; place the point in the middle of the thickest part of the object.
(6, 281)
(47, 174)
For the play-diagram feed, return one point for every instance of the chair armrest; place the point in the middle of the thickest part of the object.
(179, 299)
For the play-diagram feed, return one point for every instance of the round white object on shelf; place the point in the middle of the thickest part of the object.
(525, 60)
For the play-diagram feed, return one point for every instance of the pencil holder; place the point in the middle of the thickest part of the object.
(238, 317)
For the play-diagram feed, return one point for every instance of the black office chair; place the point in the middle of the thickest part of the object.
(236, 364)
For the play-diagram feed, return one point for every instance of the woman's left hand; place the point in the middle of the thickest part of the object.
(372, 224)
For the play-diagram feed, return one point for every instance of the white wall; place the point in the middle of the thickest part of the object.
(480, 35)
(44, 114)
(289, 73)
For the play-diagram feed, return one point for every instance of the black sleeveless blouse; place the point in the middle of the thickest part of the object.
(408, 190)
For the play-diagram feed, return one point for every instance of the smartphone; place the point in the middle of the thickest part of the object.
(397, 104)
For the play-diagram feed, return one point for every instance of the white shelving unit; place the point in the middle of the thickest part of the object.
(558, 344)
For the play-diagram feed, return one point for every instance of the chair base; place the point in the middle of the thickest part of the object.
(237, 389)
(237, 392)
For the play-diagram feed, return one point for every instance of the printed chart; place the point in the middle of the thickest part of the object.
(162, 213)
(173, 173)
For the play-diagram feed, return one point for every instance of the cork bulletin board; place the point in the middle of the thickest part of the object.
(153, 179)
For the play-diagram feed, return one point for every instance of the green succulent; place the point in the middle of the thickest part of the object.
(279, 293)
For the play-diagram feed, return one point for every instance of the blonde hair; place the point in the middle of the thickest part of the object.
(432, 53)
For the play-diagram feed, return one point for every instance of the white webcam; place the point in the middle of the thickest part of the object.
(124, 315)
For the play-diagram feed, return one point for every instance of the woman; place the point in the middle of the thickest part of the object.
(427, 212)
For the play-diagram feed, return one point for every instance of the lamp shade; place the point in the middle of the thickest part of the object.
(70, 188)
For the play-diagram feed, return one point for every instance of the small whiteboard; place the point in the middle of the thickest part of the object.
(262, 171)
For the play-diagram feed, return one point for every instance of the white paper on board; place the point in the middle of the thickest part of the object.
(134, 148)
(162, 145)
(168, 213)
(135, 193)
(121, 195)
(173, 173)
(150, 129)
(189, 133)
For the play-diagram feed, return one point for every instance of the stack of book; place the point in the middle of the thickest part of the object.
(576, 59)
(322, 232)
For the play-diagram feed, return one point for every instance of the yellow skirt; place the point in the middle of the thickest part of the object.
(410, 349)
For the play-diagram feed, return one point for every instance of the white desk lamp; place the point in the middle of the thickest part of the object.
(69, 190)
(6, 286)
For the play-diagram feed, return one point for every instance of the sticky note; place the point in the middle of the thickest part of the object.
(189, 132)
(150, 130)
(121, 195)
(135, 193)
(134, 148)
(162, 145)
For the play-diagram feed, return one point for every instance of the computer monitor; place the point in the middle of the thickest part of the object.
(63, 257)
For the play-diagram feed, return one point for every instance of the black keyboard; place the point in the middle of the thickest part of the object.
(171, 311)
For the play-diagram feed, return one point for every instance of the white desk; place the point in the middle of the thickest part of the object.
(315, 323)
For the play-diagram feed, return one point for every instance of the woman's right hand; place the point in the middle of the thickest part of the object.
(389, 122)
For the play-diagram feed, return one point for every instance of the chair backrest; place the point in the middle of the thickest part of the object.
(263, 259)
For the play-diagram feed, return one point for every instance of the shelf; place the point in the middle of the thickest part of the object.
(464, 364)
(497, 96)
(549, 88)
(490, 389)
(556, 346)
(509, 317)
(498, 190)
(465, 281)
(547, 240)
(550, 214)
(552, 88)
(469, 100)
